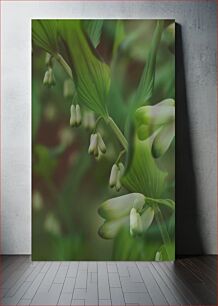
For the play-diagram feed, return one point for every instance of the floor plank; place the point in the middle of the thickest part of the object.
(48, 298)
(169, 269)
(16, 264)
(65, 299)
(14, 300)
(195, 284)
(155, 292)
(187, 281)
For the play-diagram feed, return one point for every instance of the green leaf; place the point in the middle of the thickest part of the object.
(146, 85)
(166, 252)
(118, 73)
(93, 28)
(115, 98)
(45, 34)
(91, 75)
(142, 174)
(126, 43)
(128, 248)
(119, 36)
(169, 37)
(70, 187)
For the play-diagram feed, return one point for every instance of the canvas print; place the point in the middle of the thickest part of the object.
(103, 140)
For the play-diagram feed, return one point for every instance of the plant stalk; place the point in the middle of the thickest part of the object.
(118, 133)
(97, 123)
(162, 227)
(120, 156)
(64, 64)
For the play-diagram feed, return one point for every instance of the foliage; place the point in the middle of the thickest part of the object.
(111, 100)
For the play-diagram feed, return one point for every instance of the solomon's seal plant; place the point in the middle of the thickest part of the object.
(145, 133)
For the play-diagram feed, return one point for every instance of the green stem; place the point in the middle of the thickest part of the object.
(97, 123)
(64, 64)
(162, 227)
(166, 202)
(118, 133)
(120, 155)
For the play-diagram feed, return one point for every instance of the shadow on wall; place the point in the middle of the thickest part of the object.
(188, 233)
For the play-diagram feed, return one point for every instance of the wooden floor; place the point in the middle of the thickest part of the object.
(188, 281)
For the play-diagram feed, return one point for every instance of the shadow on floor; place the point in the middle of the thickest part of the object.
(188, 234)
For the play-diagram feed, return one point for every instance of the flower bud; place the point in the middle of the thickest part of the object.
(157, 114)
(163, 140)
(99, 155)
(49, 79)
(78, 115)
(48, 59)
(122, 169)
(147, 218)
(37, 200)
(119, 175)
(166, 102)
(66, 136)
(46, 78)
(121, 206)
(110, 229)
(50, 112)
(118, 183)
(93, 143)
(158, 256)
(113, 175)
(96, 151)
(52, 81)
(68, 88)
(136, 227)
(52, 225)
(88, 120)
(101, 144)
(72, 115)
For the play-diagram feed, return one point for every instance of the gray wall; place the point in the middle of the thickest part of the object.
(197, 147)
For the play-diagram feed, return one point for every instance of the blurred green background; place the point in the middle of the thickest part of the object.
(67, 184)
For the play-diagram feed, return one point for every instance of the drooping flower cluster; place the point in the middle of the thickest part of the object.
(159, 120)
(75, 115)
(97, 146)
(89, 120)
(116, 173)
(49, 79)
(125, 211)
